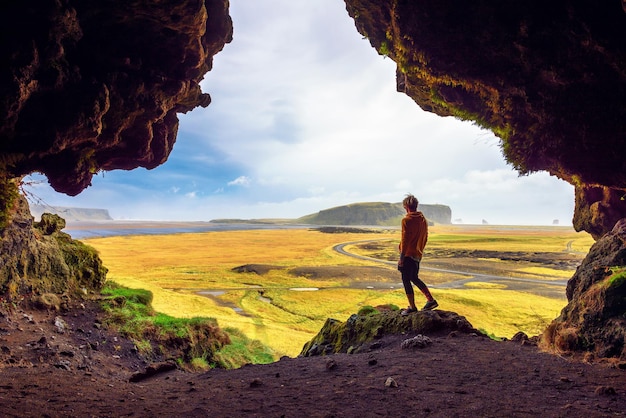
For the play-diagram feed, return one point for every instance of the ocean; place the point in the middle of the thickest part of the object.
(97, 229)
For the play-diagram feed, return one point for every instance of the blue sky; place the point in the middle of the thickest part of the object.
(304, 117)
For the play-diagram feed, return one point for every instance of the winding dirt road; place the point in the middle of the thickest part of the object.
(514, 282)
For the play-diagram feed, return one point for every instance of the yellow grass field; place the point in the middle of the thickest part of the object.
(195, 274)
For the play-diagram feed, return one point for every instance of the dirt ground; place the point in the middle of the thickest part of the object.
(56, 364)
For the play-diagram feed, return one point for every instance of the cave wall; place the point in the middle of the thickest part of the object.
(36, 258)
(594, 320)
(548, 78)
(92, 85)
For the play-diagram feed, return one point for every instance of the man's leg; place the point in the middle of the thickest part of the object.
(411, 298)
(420, 284)
(431, 303)
(408, 272)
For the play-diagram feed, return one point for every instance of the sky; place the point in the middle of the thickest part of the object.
(305, 116)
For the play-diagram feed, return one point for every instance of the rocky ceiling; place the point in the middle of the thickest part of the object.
(96, 85)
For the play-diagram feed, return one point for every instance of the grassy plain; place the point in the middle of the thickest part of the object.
(283, 306)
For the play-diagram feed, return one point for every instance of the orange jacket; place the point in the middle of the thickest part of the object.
(414, 235)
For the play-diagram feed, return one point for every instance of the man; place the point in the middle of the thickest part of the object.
(414, 237)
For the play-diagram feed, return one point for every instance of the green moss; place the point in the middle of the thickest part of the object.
(384, 49)
(9, 193)
(615, 294)
(618, 278)
(83, 261)
(367, 310)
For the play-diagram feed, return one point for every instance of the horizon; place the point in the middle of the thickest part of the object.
(454, 222)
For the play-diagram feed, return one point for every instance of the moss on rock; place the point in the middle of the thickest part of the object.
(38, 258)
(350, 336)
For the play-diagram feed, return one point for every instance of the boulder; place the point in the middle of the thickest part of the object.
(356, 334)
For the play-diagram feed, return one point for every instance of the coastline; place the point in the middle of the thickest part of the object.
(100, 229)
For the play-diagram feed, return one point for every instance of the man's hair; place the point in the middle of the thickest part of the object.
(410, 202)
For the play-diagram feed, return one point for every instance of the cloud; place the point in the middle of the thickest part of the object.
(240, 181)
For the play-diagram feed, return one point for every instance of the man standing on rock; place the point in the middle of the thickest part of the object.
(414, 237)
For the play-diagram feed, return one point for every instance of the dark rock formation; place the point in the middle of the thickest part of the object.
(37, 258)
(594, 319)
(89, 85)
(356, 334)
(547, 78)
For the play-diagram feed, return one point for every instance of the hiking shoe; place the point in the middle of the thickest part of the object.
(430, 305)
(408, 311)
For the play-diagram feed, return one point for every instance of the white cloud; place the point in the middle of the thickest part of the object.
(240, 181)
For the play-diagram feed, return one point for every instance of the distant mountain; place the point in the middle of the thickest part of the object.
(71, 214)
(374, 213)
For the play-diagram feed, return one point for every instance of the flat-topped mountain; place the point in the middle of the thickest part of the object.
(374, 213)
(71, 214)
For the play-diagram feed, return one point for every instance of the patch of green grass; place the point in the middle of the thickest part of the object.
(367, 310)
(242, 350)
(490, 335)
(193, 341)
(199, 363)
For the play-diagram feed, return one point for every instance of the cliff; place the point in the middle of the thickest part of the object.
(71, 214)
(374, 213)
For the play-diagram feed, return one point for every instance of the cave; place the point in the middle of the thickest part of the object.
(548, 79)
